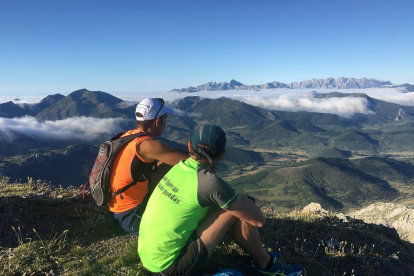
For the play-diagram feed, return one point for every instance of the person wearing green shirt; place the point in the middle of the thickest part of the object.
(191, 210)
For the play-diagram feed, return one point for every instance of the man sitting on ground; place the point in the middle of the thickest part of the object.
(136, 160)
(191, 210)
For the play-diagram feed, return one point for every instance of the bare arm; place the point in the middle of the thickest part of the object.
(246, 210)
(151, 150)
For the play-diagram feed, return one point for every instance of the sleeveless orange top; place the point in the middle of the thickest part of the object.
(121, 175)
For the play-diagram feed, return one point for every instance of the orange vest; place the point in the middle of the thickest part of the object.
(121, 175)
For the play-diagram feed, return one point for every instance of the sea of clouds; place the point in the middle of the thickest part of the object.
(88, 129)
(81, 129)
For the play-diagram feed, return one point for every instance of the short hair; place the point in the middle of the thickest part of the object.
(143, 124)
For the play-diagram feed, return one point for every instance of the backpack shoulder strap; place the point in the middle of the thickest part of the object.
(127, 139)
(120, 191)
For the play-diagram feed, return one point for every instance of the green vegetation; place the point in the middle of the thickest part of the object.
(63, 167)
(250, 128)
(336, 183)
(84, 103)
(54, 232)
(240, 156)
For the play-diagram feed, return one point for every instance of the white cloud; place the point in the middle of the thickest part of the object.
(126, 104)
(275, 99)
(182, 113)
(77, 128)
(21, 99)
(345, 107)
(293, 99)
(392, 95)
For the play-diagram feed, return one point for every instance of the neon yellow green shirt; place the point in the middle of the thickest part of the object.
(175, 209)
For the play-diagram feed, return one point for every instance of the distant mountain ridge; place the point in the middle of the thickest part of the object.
(336, 83)
(12, 110)
(81, 102)
(84, 103)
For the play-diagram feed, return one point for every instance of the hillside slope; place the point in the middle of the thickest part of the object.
(12, 110)
(334, 182)
(47, 231)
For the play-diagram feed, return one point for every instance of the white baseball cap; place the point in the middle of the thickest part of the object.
(152, 108)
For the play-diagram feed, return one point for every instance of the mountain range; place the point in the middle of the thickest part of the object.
(266, 145)
(331, 83)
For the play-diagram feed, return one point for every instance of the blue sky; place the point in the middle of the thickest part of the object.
(138, 46)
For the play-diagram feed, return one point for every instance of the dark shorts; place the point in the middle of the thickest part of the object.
(130, 219)
(191, 260)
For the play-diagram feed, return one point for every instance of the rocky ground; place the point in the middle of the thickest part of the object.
(46, 231)
(389, 215)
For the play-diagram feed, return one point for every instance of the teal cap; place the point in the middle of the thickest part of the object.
(212, 135)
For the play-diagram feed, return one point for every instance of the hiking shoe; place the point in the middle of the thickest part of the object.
(278, 267)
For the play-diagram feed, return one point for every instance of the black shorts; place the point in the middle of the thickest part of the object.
(191, 260)
(131, 219)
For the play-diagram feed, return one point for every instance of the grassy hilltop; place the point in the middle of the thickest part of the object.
(53, 231)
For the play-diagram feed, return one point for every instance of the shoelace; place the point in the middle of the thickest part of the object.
(280, 262)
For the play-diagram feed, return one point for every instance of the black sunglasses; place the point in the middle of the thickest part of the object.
(162, 105)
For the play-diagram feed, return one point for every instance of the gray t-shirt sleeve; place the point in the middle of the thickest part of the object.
(214, 190)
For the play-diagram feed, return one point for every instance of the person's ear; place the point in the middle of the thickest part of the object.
(190, 146)
(216, 161)
(158, 121)
(222, 154)
(218, 158)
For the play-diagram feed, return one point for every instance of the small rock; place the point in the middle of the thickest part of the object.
(315, 208)
(342, 217)
(59, 196)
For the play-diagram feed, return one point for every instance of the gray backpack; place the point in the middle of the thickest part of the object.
(99, 179)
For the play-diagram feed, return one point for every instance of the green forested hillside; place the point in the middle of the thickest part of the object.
(334, 182)
(85, 103)
(311, 132)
